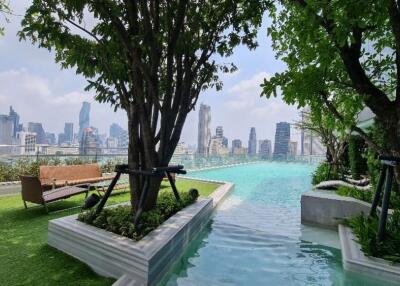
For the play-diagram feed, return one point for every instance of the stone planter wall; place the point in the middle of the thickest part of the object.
(143, 262)
(354, 259)
(325, 208)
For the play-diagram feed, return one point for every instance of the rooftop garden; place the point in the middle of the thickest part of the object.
(26, 259)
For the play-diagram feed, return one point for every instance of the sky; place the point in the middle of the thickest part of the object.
(40, 91)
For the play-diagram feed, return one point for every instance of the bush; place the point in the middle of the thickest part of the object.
(119, 219)
(366, 196)
(11, 172)
(365, 228)
(322, 172)
(358, 164)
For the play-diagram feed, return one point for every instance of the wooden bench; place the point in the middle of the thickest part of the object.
(58, 176)
(59, 182)
(32, 191)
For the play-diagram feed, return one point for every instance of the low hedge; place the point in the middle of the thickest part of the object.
(119, 219)
(11, 172)
(321, 174)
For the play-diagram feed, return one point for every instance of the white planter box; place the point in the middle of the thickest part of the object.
(142, 262)
(354, 259)
(325, 208)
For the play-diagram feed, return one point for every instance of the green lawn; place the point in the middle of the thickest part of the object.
(25, 257)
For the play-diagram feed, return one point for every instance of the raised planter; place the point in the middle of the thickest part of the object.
(326, 208)
(354, 259)
(141, 262)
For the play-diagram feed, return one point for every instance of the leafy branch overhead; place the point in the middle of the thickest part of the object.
(150, 58)
(343, 55)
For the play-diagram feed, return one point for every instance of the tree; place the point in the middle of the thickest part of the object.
(341, 51)
(150, 58)
(333, 134)
(4, 11)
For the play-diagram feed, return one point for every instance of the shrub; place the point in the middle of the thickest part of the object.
(120, 219)
(365, 229)
(366, 196)
(322, 172)
(358, 164)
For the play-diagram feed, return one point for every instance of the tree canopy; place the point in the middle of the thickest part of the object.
(344, 55)
(150, 58)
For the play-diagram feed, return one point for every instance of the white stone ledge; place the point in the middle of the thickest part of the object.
(142, 262)
(354, 259)
(325, 208)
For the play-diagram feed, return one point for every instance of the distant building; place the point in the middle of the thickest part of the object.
(84, 119)
(69, 132)
(236, 143)
(265, 149)
(37, 128)
(15, 119)
(123, 139)
(115, 130)
(219, 132)
(292, 149)
(217, 148)
(112, 143)
(6, 130)
(89, 144)
(252, 150)
(282, 138)
(51, 138)
(26, 142)
(204, 133)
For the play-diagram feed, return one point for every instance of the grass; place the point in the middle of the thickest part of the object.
(25, 257)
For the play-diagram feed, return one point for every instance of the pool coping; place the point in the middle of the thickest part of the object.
(354, 259)
(142, 262)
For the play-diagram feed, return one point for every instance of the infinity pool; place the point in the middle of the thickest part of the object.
(256, 238)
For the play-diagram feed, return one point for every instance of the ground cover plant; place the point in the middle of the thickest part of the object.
(120, 219)
(25, 257)
(365, 228)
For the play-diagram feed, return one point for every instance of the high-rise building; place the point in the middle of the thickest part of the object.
(69, 132)
(123, 139)
(27, 142)
(6, 133)
(292, 149)
(115, 130)
(219, 132)
(89, 144)
(37, 128)
(84, 119)
(204, 133)
(252, 150)
(51, 138)
(282, 138)
(15, 119)
(265, 149)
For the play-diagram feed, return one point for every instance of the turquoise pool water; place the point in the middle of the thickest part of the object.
(255, 237)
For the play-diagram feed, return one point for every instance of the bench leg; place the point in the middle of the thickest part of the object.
(26, 207)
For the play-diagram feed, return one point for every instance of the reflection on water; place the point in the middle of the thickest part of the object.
(255, 237)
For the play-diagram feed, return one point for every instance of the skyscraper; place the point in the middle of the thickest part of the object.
(252, 142)
(282, 138)
(84, 119)
(292, 149)
(265, 149)
(15, 119)
(115, 130)
(6, 133)
(69, 132)
(89, 142)
(219, 133)
(204, 133)
(38, 129)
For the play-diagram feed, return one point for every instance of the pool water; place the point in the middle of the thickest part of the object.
(255, 237)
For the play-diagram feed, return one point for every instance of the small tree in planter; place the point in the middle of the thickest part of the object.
(150, 58)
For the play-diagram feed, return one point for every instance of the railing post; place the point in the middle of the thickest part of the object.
(385, 204)
(378, 191)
